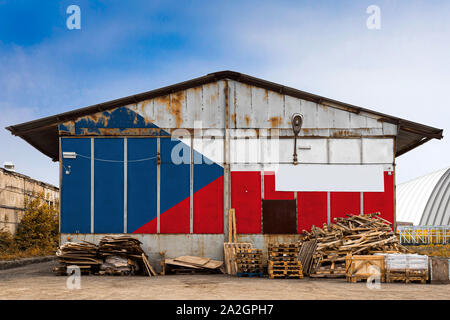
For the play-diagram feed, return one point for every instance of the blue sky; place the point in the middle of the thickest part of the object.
(127, 47)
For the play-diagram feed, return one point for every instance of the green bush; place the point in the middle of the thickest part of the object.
(7, 243)
(39, 226)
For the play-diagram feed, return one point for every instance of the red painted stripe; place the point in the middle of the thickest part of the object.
(246, 200)
(382, 202)
(269, 189)
(208, 208)
(311, 210)
(177, 218)
(343, 203)
(149, 227)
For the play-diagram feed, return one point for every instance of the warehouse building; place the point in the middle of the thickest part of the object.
(15, 189)
(425, 201)
(168, 164)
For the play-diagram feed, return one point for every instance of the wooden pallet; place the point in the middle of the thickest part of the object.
(285, 276)
(407, 276)
(250, 274)
(284, 245)
(284, 263)
(230, 250)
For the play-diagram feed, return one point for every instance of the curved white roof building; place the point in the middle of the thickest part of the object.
(425, 201)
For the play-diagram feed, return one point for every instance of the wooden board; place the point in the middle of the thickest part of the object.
(192, 260)
(181, 264)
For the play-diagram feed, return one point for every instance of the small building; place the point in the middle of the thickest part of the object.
(168, 164)
(15, 188)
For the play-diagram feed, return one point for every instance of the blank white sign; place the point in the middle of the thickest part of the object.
(323, 177)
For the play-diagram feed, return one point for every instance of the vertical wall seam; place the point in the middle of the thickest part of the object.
(158, 184)
(362, 203)
(226, 165)
(191, 188)
(92, 184)
(60, 187)
(125, 184)
(328, 207)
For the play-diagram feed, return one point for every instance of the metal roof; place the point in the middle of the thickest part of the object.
(43, 133)
(425, 200)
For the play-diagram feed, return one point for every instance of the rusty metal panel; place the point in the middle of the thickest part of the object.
(293, 105)
(324, 119)
(259, 108)
(345, 150)
(194, 102)
(374, 123)
(275, 110)
(378, 150)
(242, 105)
(211, 107)
(389, 129)
(341, 118)
(279, 216)
(357, 121)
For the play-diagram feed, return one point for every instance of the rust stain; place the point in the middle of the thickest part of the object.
(121, 131)
(247, 120)
(266, 94)
(174, 107)
(275, 121)
(233, 118)
(344, 133)
(196, 89)
(143, 107)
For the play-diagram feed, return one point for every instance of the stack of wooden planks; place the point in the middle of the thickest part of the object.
(249, 262)
(123, 256)
(124, 246)
(355, 235)
(283, 261)
(83, 255)
(192, 265)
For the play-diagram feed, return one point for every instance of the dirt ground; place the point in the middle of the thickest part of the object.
(36, 281)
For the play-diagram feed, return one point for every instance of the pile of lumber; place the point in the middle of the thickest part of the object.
(83, 255)
(192, 265)
(123, 256)
(355, 235)
(122, 246)
(249, 262)
(283, 261)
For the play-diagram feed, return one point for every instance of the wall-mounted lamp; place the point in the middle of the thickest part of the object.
(69, 155)
(297, 122)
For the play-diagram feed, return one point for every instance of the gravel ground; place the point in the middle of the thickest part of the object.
(36, 281)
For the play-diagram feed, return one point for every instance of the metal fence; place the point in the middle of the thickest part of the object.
(424, 234)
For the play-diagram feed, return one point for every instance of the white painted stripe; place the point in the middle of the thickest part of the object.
(320, 177)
